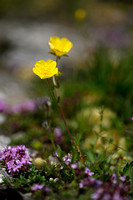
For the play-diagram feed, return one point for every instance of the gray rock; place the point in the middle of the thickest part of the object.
(4, 141)
(12, 91)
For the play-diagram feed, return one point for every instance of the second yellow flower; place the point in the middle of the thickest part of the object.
(59, 46)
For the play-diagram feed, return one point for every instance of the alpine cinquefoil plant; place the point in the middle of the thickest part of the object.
(47, 69)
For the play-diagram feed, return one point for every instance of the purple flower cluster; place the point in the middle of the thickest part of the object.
(36, 187)
(88, 172)
(67, 159)
(115, 179)
(112, 189)
(16, 159)
(88, 180)
(28, 106)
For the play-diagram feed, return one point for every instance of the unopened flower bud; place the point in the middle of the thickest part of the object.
(51, 179)
(39, 162)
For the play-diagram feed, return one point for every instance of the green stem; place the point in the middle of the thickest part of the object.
(54, 81)
(51, 90)
(55, 84)
(52, 141)
(64, 120)
(68, 131)
(131, 180)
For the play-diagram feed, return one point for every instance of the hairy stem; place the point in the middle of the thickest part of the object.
(64, 120)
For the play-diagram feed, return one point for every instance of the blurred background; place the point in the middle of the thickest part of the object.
(101, 33)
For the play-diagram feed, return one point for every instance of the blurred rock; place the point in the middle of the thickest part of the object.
(2, 118)
(12, 91)
(4, 140)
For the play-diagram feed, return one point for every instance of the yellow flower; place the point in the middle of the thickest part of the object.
(45, 69)
(59, 47)
(80, 14)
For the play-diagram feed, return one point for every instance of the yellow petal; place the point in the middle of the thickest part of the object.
(59, 46)
(51, 63)
(45, 69)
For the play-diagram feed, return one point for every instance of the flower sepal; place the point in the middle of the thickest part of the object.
(58, 74)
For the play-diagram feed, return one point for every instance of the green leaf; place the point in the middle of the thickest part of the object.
(128, 168)
(59, 152)
(51, 53)
(91, 156)
(66, 55)
(101, 158)
(78, 139)
(129, 139)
